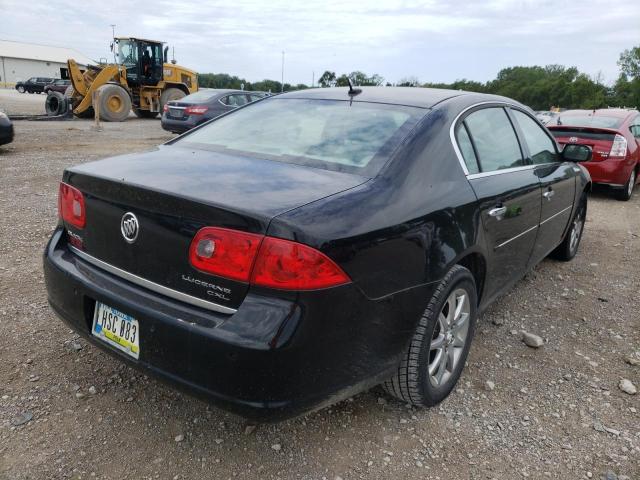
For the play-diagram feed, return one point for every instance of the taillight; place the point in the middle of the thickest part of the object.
(71, 205)
(289, 265)
(165, 108)
(619, 147)
(224, 252)
(264, 261)
(195, 110)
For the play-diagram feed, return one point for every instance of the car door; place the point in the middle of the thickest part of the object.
(507, 189)
(557, 180)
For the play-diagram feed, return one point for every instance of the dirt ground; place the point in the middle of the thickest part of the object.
(555, 412)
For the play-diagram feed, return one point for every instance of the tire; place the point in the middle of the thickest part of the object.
(627, 190)
(55, 104)
(21, 89)
(416, 381)
(30, 91)
(115, 103)
(170, 94)
(571, 241)
(69, 94)
(144, 113)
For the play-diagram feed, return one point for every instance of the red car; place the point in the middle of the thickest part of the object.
(613, 134)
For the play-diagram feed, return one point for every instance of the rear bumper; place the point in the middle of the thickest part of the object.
(6, 133)
(613, 172)
(180, 126)
(276, 357)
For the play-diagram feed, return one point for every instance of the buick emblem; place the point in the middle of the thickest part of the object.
(573, 139)
(129, 227)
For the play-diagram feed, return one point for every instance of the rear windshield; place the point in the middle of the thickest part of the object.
(200, 96)
(355, 137)
(598, 121)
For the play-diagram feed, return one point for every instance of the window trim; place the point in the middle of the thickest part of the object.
(460, 117)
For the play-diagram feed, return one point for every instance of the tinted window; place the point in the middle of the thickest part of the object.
(495, 140)
(541, 147)
(256, 96)
(466, 148)
(334, 135)
(588, 121)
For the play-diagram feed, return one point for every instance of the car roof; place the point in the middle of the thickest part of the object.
(601, 112)
(410, 96)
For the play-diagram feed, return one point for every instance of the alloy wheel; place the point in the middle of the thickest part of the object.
(576, 230)
(449, 337)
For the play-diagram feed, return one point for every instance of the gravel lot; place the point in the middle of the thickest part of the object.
(68, 410)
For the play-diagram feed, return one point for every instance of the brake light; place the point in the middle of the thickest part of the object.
(224, 252)
(263, 261)
(165, 108)
(71, 205)
(195, 110)
(619, 147)
(287, 265)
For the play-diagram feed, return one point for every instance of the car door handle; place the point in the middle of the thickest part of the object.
(498, 212)
(548, 194)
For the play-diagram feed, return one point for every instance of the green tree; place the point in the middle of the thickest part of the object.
(629, 62)
(327, 79)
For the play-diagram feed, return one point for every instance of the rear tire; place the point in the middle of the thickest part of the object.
(569, 246)
(169, 95)
(144, 113)
(438, 350)
(115, 103)
(627, 190)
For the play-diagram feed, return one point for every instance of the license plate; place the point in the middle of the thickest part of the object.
(176, 112)
(116, 329)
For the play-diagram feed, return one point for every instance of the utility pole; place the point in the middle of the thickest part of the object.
(282, 77)
(113, 42)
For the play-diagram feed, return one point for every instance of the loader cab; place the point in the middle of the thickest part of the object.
(143, 60)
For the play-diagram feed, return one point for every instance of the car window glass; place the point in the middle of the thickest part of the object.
(495, 140)
(541, 147)
(255, 96)
(239, 99)
(466, 148)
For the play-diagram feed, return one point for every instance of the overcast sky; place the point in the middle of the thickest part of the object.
(435, 41)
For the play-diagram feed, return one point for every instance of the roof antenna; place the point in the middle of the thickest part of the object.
(353, 91)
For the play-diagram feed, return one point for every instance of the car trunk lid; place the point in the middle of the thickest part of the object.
(175, 191)
(599, 140)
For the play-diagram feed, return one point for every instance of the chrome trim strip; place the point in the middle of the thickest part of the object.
(177, 108)
(499, 172)
(556, 214)
(517, 236)
(142, 282)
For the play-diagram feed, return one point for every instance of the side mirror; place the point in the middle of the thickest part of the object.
(576, 153)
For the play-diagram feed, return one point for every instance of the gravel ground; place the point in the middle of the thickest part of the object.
(13, 102)
(68, 410)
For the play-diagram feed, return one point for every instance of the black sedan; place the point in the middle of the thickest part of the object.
(34, 84)
(314, 244)
(6, 129)
(188, 112)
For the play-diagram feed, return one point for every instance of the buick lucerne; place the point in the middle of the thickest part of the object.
(306, 247)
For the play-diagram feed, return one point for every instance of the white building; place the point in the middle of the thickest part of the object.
(21, 61)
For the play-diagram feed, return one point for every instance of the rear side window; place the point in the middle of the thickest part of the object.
(466, 148)
(494, 139)
(541, 147)
(235, 100)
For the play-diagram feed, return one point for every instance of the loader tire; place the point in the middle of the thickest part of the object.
(55, 104)
(170, 94)
(144, 113)
(115, 103)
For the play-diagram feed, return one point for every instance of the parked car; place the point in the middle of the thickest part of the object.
(58, 85)
(314, 244)
(6, 129)
(34, 84)
(546, 116)
(188, 112)
(614, 136)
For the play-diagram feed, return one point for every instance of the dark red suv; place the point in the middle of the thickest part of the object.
(613, 134)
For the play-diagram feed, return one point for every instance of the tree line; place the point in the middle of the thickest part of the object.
(538, 87)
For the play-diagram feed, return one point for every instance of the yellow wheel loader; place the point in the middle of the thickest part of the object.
(141, 80)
